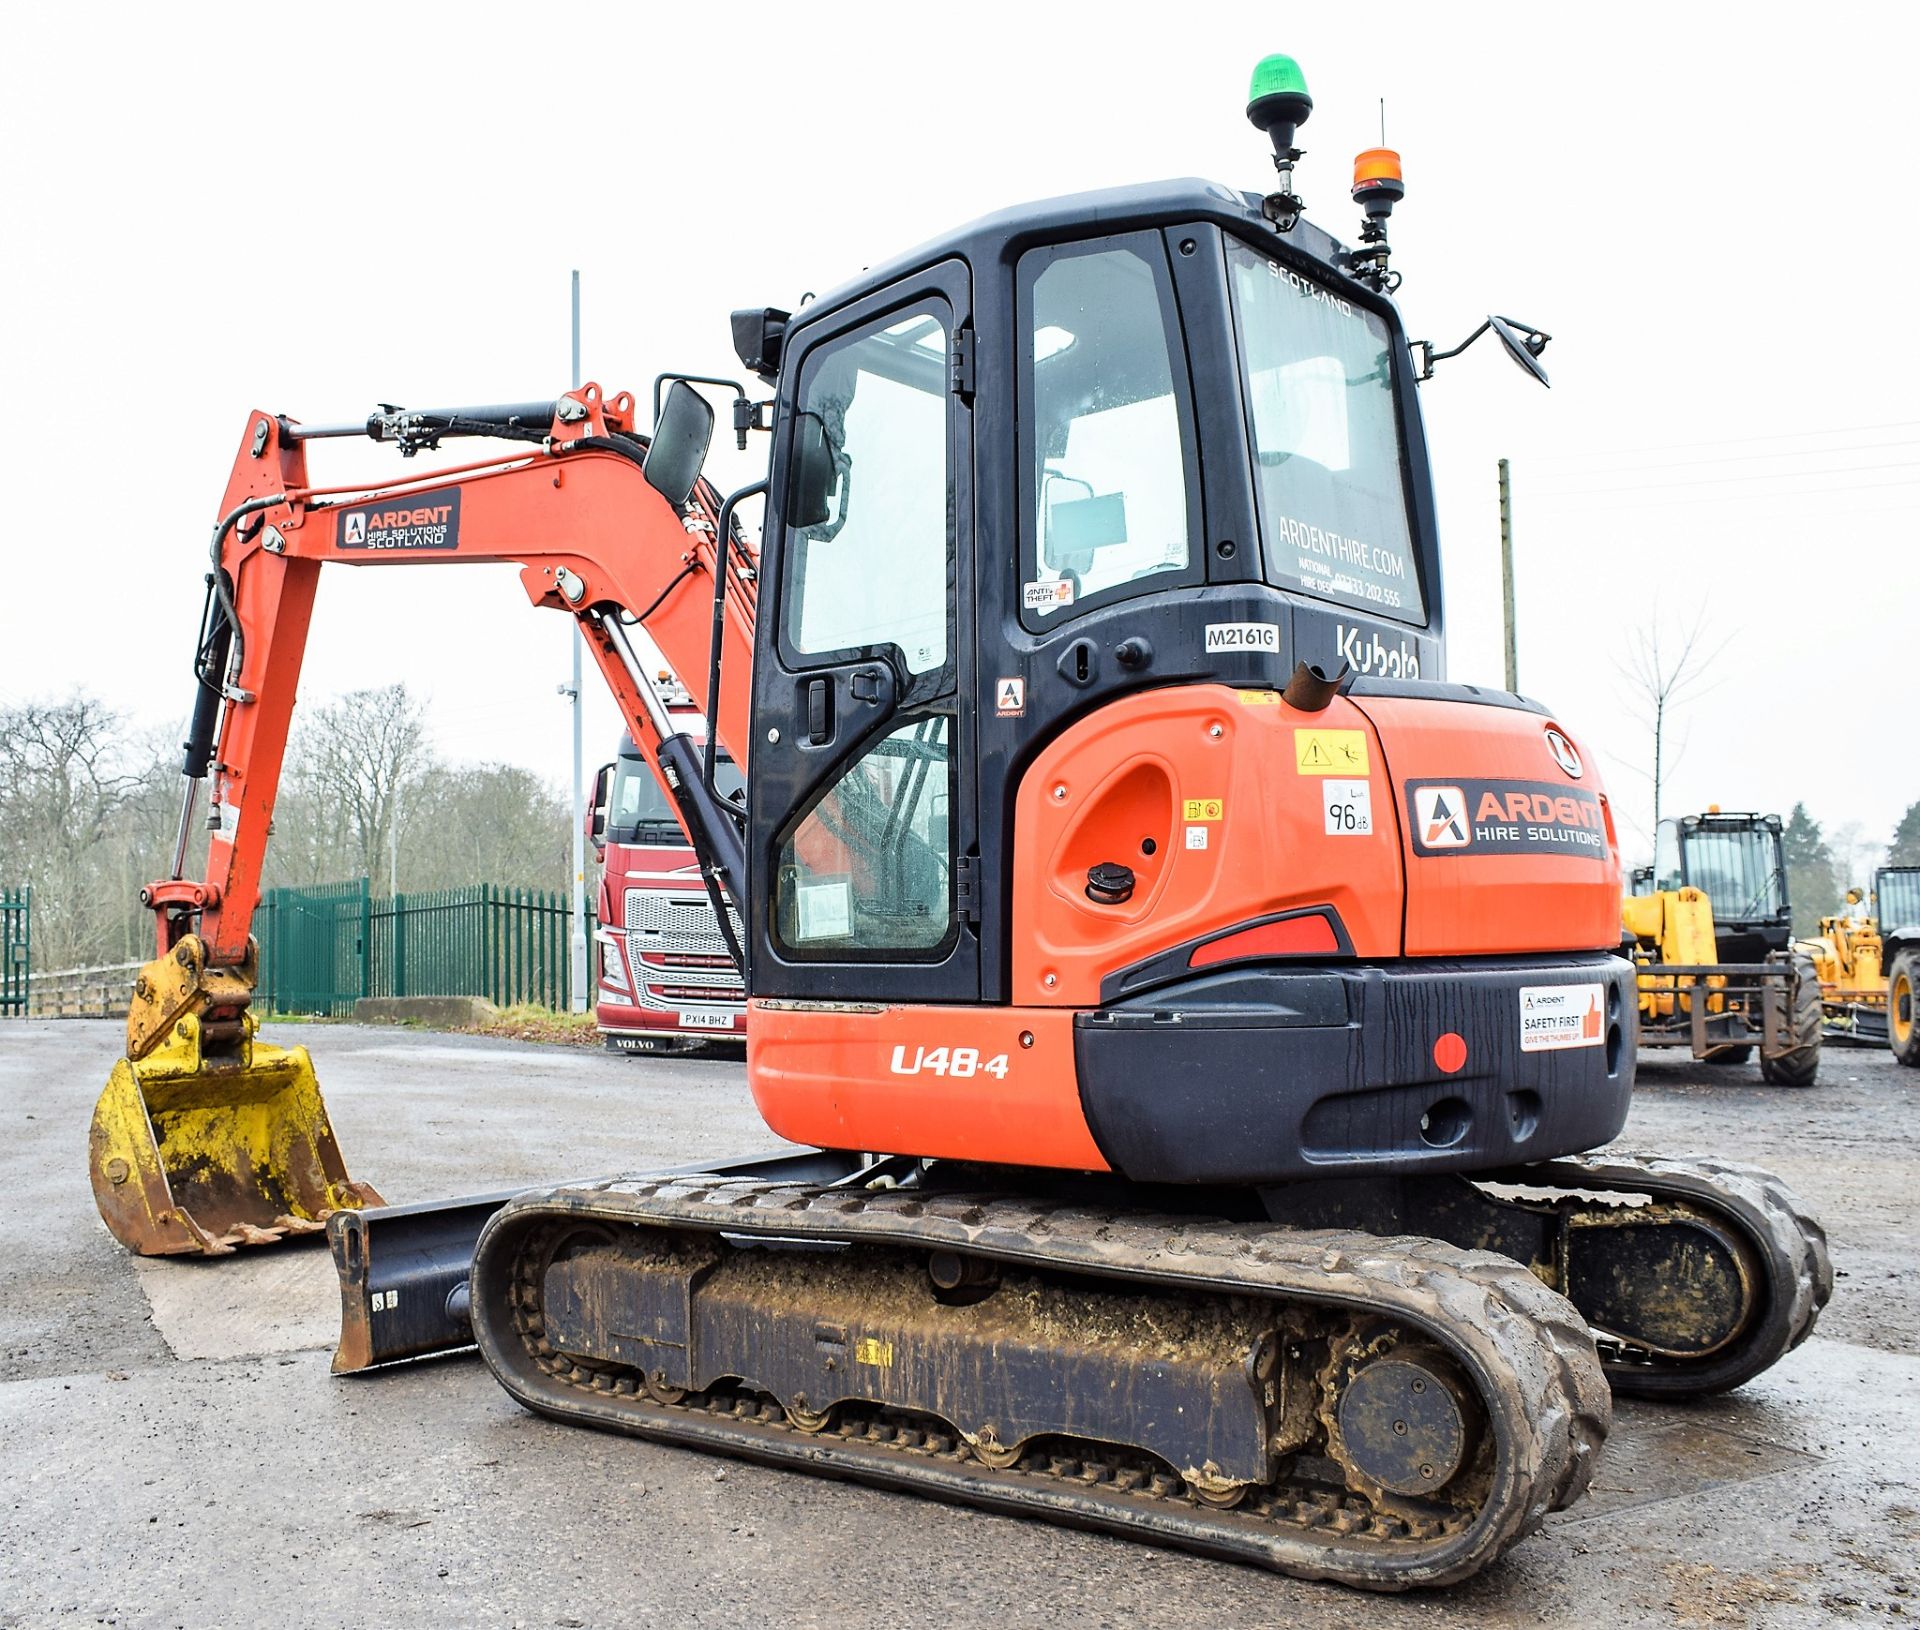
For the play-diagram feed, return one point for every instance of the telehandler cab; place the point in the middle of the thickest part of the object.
(1195, 1037)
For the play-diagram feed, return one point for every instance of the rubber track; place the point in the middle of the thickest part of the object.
(1793, 1247)
(1528, 1352)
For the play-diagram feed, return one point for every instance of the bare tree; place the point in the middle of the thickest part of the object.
(1855, 855)
(1663, 671)
(350, 765)
(67, 783)
(485, 823)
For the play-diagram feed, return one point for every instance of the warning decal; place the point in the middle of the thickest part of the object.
(1505, 818)
(1204, 809)
(1553, 1017)
(1330, 752)
(421, 520)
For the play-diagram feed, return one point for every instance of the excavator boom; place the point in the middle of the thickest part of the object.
(207, 1138)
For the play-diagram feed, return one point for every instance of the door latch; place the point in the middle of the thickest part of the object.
(819, 712)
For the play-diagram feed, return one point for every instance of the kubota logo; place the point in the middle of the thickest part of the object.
(1365, 652)
(1565, 754)
(1441, 815)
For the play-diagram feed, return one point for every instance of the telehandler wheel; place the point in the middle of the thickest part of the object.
(1903, 1009)
(1800, 1064)
(1737, 1054)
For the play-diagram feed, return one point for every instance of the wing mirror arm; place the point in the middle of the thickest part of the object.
(1522, 341)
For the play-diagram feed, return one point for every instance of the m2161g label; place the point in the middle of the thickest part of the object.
(1468, 817)
(1243, 636)
(421, 520)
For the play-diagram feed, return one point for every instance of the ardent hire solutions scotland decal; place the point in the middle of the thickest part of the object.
(1505, 818)
(420, 520)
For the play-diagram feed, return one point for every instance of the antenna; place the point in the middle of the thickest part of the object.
(1383, 121)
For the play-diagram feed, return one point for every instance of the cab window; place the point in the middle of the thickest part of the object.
(871, 524)
(1109, 428)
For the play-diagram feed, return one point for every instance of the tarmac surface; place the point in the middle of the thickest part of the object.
(173, 1451)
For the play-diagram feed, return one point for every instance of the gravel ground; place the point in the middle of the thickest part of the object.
(176, 1453)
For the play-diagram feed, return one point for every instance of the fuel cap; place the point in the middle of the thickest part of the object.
(1109, 883)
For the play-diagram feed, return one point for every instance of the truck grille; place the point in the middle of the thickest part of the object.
(673, 925)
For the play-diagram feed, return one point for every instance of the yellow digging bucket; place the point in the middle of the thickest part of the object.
(198, 1148)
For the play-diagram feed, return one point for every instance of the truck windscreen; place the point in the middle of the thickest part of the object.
(639, 811)
(1326, 440)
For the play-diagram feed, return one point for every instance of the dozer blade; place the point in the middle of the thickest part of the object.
(204, 1139)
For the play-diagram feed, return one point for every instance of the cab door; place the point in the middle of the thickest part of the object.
(862, 788)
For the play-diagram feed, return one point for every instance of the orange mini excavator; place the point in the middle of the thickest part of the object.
(1197, 1002)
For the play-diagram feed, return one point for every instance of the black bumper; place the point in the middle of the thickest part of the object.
(1267, 1074)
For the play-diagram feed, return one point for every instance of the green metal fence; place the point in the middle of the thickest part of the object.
(321, 949)
(16, 949)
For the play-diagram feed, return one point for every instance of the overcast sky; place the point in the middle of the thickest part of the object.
(313, 209)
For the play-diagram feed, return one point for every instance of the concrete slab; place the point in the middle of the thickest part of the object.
(281, 1300)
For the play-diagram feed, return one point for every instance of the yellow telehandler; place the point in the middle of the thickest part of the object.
(1708, 927)
(1866, 958)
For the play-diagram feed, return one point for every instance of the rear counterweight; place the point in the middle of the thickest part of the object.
(1268, 1074)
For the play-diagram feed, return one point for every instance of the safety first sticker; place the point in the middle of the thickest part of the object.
(1505, 818)
(1331, 752)
(1555, 1017)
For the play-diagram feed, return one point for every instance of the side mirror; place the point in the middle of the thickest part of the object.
(679, 445)
(1526, 352)
(596, 821)
(812, 474)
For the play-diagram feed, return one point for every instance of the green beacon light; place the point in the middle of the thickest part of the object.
(1278, 103)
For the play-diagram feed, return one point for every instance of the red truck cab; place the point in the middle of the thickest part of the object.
(664, 982)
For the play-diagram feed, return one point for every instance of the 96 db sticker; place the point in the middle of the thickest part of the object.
(1349, 807)
(1553, 1017)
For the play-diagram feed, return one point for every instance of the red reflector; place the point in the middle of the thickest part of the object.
(1291, 936)
(1450, 1052)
